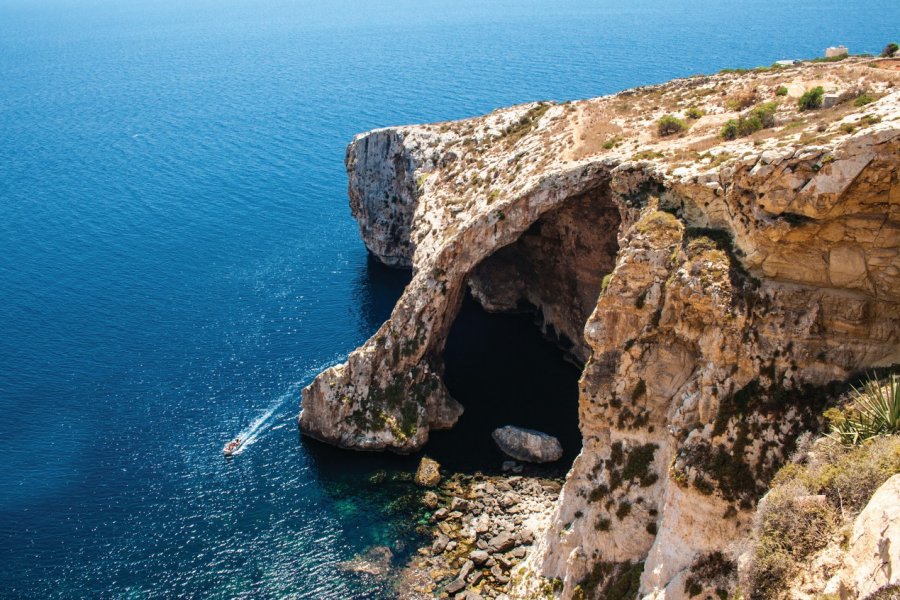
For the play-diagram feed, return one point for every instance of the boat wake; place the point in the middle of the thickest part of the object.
(250, 434)
(255, 430)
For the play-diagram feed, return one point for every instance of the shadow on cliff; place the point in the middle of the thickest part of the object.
(377, 287)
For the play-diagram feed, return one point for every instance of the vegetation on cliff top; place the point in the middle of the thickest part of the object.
(874, 411)
(811, 500)
(820, 493)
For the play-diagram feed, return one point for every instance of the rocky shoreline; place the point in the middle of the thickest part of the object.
(483, 527)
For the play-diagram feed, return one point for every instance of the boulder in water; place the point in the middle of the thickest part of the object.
(429, 472)
(527, 444)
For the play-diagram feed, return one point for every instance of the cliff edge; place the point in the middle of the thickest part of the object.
(714, 253)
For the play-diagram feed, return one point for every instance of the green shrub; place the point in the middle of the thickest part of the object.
(670, 125)
(888, 592)
(811, 99)
(729, 130)
(605, 282)
(890, 50)
(611, 143)
(781, 91)
(713, 570)
(517, 130)
(869, 120)
(794, 521)
(762, 116)
(863, 99)
(694, 113)
(875, 411)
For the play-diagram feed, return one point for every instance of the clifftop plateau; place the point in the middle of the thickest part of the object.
(716, 255)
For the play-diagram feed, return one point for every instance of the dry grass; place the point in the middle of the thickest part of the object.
(809, 502)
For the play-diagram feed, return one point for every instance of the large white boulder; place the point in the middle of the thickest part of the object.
(527, 444)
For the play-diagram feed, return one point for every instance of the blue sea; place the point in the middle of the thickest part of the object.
(177, 260)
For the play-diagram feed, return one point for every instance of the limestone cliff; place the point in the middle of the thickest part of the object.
(712, 289)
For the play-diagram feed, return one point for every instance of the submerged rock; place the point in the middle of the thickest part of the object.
(375, 561)
(527, 444)
(429, 472)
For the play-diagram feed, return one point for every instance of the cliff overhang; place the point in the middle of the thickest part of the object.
(711, 288)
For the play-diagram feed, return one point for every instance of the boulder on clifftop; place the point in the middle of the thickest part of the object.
(527, 444)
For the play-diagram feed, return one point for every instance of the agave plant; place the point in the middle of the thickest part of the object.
(875, 411)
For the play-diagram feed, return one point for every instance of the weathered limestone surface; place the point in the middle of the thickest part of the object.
(711, 289)
(873, 558)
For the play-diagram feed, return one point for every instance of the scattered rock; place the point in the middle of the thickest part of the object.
(431, 500)
(507, 500)
(460, 553)
(501, 543)
(455, 586)
(527, 444)
(466, 569)
(440, 544)
(524, 536)
(458, 504)
(428, 474)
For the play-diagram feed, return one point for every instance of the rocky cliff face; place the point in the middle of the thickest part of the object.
(712, 289)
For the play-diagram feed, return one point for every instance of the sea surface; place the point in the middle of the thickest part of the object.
(177, 260)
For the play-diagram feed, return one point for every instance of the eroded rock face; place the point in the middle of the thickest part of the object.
(872, 561)
(712, 294)
(556, 268)
(527, 445)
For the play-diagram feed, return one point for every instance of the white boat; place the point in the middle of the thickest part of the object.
(232, 446)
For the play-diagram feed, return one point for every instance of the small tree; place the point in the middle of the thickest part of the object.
(890, 50)
(812, 99)
(669, 125)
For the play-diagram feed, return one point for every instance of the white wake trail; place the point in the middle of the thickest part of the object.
(256, 428)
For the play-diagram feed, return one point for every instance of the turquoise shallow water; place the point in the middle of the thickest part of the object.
(177, 258)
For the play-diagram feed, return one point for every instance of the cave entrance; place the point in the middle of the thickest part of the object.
(516, 349)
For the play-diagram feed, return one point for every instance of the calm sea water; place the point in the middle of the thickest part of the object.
(177, 260)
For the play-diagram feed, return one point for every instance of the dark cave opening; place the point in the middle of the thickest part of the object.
(515, 352)
(505, 372)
